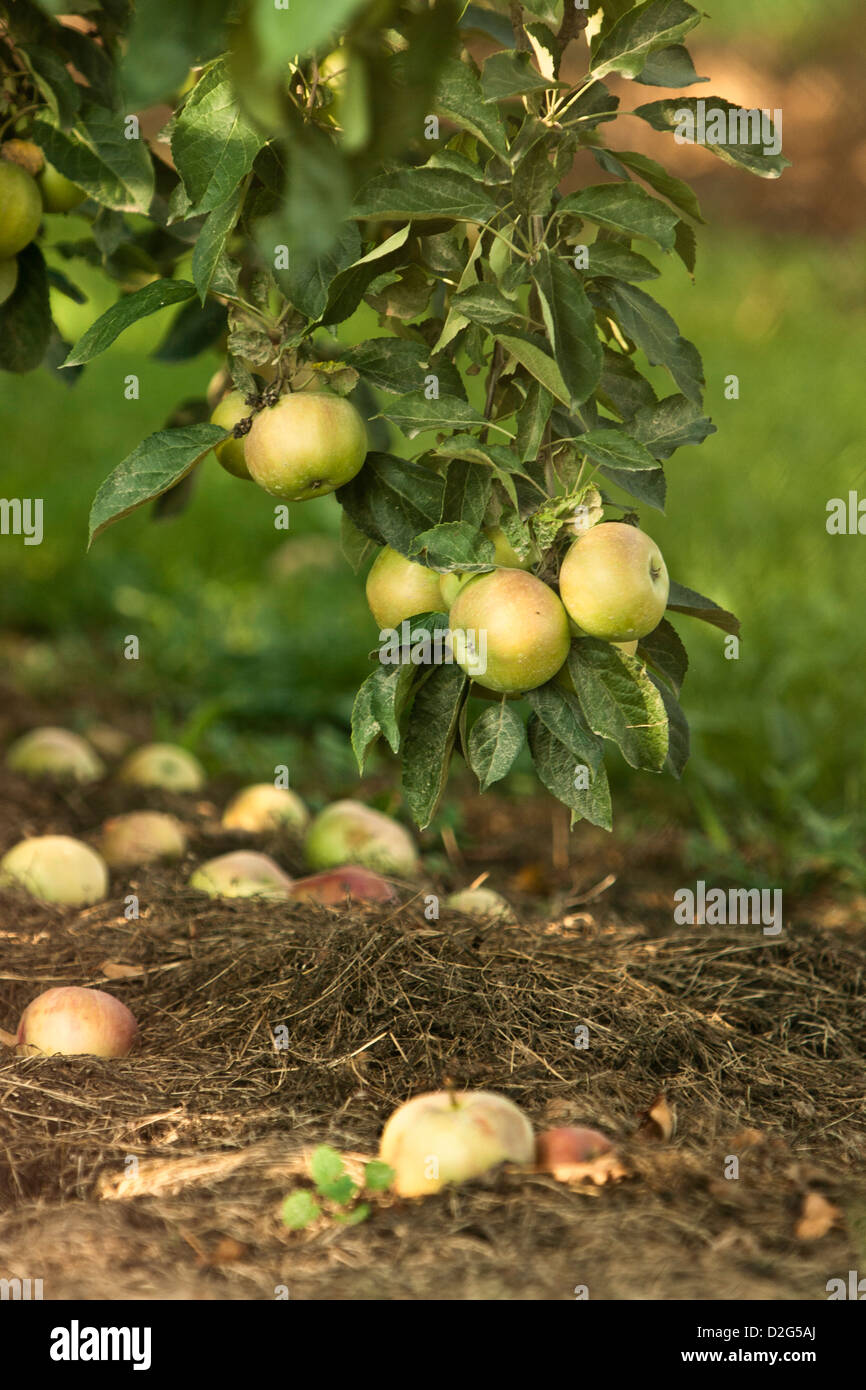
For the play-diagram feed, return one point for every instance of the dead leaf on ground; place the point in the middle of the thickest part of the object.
(116, 970)
(658, 1122)
(817, 1217)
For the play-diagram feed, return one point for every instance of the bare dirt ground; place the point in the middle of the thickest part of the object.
(162, 1176)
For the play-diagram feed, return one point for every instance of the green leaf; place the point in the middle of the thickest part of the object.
(678, 730)
(670, 67)
(164, 41)
(355, 1216)
(665, 652)
(128, 310)
(675, 190)
(423, 194)
(326, 1165)
(298, 29)
(506, 75)
(348, 288)
(377, 709)
(563, 776)
(459, 98)
(615, 260)
(593, 108)
(467, 491)
(194, 328)
(429, 740)
(620, 702)
(151, 469)
(669, 424)
(683, 600)
(318, 195)
(648, 487)
(735, 135)
(485, 304)
(356, 547)
(396, 365)
(414, 413)
(495, 740)
(25, 317)
(570, 324)
(639, 33)
(622, 385)
(54, 82)
(96, 155)
(537, 363)
(300, 1210)
(211, 243)
(686, 245)
(378, 1176)
(213, 143)
(613, 448)
(308, 280)
(559, 711)
(453, 545)
(625, 208)
(534, 181)
(392, 500)
(532, 421)
(651, 327)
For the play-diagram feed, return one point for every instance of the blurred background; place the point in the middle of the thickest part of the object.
(252, 644)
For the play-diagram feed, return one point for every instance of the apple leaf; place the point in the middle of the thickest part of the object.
(459, 98)
(537, 362)
(641, 32)
(665, 652)
(416, 412)
(564, 775)
(392, 500)
(624, 208)
(212, 239)
(308, 280)
(670, 424)
(495, 740)
(570, 324)
(424, 193)
(683, 600)
(157, 464)
(615, 449)
(654, 331)
(678, 730)
(128, 310)
(377, 709)
(453, 545)
(25, 317)
(511, 74)
(96, 154)
(429, 740)
(467, 491)
(619, 702)
(670, 67)
(617, 261)
(746, 150)
(213, 143)
(286, 32)
(675, 190)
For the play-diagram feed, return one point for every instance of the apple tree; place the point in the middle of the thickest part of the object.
(267, 173)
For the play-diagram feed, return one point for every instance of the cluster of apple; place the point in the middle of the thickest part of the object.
(29, 187)
(613, 585)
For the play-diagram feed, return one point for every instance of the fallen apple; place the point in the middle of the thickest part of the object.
(56, 869)
(308, 444)
(479, 902)
(348, 832)
(57, 754)
(141, 837)
(397, 588)
(614, 582)
(76, 1022)
(230, 454)
(163, 765)
(264, 807)
(509, 630)
(450, 1137)
(568, 1144)
(334, 886)
(241, 874)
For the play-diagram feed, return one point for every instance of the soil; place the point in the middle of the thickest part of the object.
(268, 1029)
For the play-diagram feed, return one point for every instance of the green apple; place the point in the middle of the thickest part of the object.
(57, 754)
(8, 278)
(480, 902)
(452, 1136)
(230, 454)
(59, 194)
(516, 626)
(20, 209)
(163, 765)
(614, 582)
(398, 588)
(56, 869)
(265, 808)
(504, 552)
(308, 444)
(348, 832)
(450, 585)
(241, 874)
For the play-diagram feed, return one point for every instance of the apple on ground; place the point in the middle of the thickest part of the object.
(398, 588)
(77, 1022)
(348, 832)
(141, 837)
(569, 1144)
(163, 765)
(614, 582)
(308, 444)
(480, 902)
(230, 454)
(523, 622)
(55, 753)
(265, 807)
(56, 869)
(334, 886)
(451, 1136)
(241, 874)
